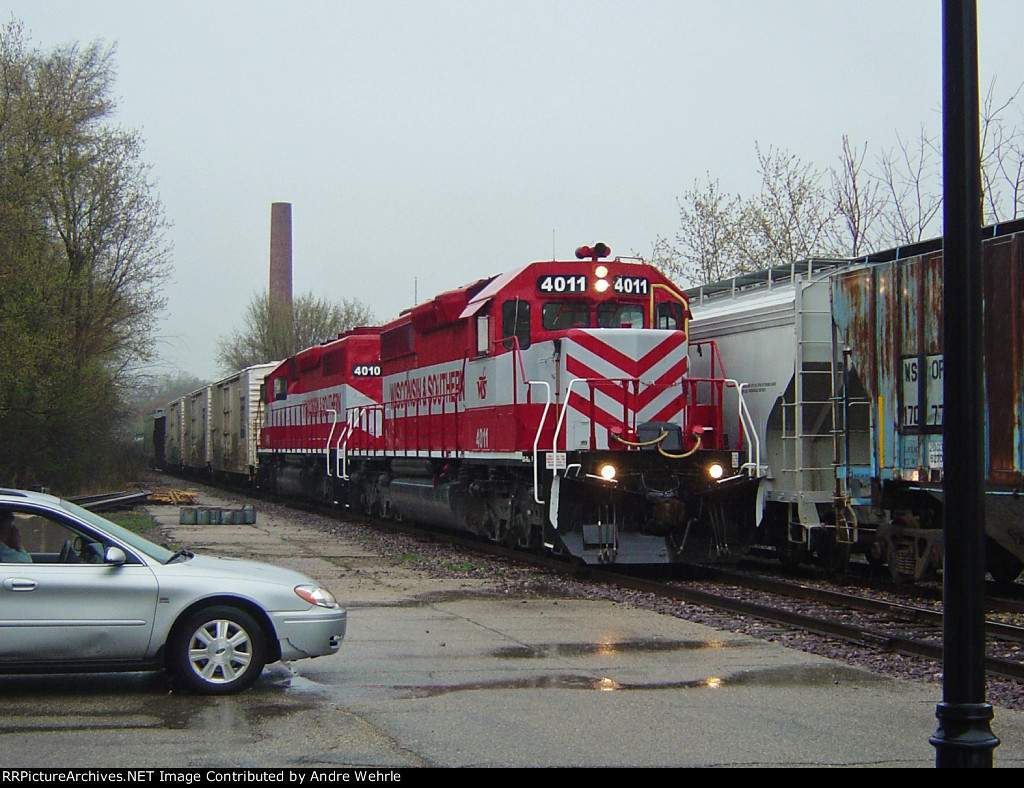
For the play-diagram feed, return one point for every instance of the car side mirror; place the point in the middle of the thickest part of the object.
(115, 556)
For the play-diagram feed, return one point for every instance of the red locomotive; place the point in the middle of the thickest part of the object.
(306, 400)
(549, 407)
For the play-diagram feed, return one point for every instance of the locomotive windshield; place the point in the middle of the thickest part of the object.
(612, 315)
(670, 315)
(563, 315)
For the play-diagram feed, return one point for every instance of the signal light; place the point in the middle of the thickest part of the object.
(593, 252)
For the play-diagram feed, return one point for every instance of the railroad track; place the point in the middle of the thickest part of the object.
(109, 502)
(828, 612)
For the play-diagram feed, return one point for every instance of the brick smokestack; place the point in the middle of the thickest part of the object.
(281, 254)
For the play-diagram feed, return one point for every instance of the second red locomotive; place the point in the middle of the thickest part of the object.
(549, 408)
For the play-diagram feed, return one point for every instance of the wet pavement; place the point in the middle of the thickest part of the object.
(447, 672)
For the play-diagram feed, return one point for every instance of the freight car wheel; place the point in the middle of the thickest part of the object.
(791, 555)
(1004, 567)
(834, 556)
(900, 560)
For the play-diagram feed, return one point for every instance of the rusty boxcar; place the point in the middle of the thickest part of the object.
(888, 313)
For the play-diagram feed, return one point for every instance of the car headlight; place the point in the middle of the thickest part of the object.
(316, 595)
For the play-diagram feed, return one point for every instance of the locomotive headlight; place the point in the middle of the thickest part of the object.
(601, 271)
(716, 471)
(608, 472)
(601, 285)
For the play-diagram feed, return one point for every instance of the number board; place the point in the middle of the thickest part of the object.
(631, 285)
(562, 284)
(915, 413)
(366, 371)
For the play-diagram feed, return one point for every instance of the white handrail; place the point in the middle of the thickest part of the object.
(341, 451)
(561, 419)
(744, 417)
(536, 438)
(327, 445)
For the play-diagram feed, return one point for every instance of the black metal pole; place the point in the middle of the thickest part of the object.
(964, 737)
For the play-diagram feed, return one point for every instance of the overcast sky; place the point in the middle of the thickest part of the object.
(424, 145)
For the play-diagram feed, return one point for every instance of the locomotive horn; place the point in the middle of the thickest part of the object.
(593, 252)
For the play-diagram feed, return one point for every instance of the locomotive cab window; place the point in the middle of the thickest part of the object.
(670, 315)
(612, 315)
(515, 322)
(563, 315)
(280, 389)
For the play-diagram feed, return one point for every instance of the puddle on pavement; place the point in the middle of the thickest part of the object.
(815, 676)
(94, 702)
(606, 649)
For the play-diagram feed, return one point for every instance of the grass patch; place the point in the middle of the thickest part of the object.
(140, 521)
(464, 566)
(413, 557)
(135, 520)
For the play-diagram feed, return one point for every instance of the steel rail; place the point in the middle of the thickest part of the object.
(107, 502)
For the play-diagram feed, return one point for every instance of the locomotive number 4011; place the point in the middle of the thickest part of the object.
(631, 285)
(562, 283)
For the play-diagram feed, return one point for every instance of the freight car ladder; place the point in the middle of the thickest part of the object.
(810, 431)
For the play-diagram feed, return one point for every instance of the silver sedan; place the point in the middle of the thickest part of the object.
(79, 593)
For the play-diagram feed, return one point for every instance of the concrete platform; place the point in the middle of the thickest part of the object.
(451, 673)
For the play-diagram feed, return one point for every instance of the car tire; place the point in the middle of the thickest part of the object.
(217, 651)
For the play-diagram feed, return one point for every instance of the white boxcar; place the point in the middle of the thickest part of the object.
(773, 332)
(195, 442)
(174, 434)
(235, 418)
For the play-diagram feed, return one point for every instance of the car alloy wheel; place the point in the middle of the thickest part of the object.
(220, 650)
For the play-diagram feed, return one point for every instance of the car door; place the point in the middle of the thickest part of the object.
(67, 605)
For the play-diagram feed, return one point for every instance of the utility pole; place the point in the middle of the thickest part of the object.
(964, 737)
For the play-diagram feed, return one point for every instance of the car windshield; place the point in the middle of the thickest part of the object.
(155, 551)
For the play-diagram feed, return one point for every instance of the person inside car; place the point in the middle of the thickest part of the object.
(10, 541)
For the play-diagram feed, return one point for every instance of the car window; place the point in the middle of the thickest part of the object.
(143, 545)
(39, 538)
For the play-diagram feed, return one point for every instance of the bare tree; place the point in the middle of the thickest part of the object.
(792, 215)
(270, 333)
(1002, 158)
(722, 235)
(707, 245)
(796, 214)
(857, 200)
(911, 178)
